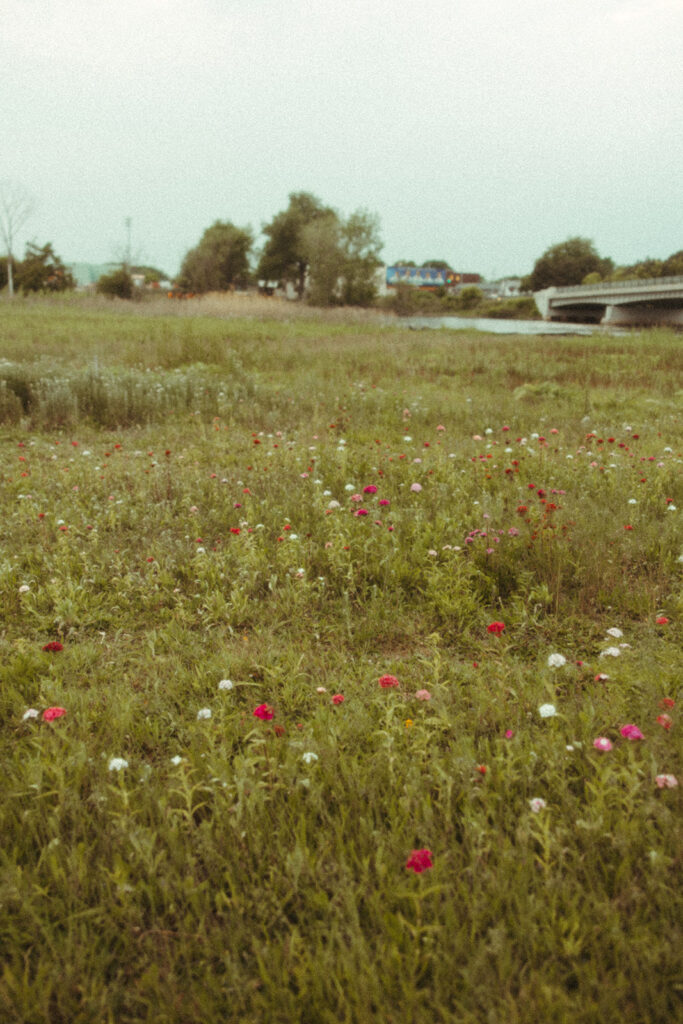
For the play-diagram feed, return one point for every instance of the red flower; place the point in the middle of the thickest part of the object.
(496, 628)
(665, 721)
(279, 730)
(662, 620)
(49, 714)
(54, 645)
(419, 861)
(667, 702)
(338, 698)
(263, 712)
(386, 682)
(482, 769)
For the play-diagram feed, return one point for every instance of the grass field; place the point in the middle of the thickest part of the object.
(341, 671)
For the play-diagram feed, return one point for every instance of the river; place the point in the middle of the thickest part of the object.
(494, 326)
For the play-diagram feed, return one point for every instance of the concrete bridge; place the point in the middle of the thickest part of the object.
(654, 300)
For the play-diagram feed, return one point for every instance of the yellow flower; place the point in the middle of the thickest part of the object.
(408, 723)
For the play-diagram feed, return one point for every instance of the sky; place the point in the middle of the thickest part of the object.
(480, 133)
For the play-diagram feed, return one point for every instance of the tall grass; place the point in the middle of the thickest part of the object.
(180, 502)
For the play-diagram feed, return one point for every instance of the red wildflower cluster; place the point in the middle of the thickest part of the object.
(386, 682)
(264, 712)
(419, 861)
(496, 628)
(54, 645)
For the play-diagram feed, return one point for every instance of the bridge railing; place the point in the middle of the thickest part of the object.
(639, 282)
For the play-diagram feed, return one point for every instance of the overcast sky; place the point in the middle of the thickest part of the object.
(479, 132)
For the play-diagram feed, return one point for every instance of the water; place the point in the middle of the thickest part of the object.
(493, 326)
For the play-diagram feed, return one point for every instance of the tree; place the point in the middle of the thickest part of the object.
(362, 245)
(42, 271)
(321, 244)
(118, 284)
(567, 263)
(437, 265)
(16, 206)
(220, 261)
(673, 265)
(284, 256)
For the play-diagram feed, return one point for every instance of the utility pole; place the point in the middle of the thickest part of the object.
(128, 256)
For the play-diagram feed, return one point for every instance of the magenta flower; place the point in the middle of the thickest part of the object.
(361, 512)
(264, 712)
(602, 743)
(370, 489)
(419, 861)
(631, 732)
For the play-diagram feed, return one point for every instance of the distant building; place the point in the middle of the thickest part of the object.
(427, 278)
(86, 275)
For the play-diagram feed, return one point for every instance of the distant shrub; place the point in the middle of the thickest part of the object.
(118, 284)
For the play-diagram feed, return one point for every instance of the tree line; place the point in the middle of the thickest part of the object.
(577, 261)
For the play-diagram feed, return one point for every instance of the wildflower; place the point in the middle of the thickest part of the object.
(601, 677)
(661, 620)
(602, 743)
(279, 730)
(370, 489)
(665, 721)
(482, 769)
(176, 759)
(509, 733)
(547, 710)
(610, 652)
(408, 723)
(203, 713)
(496, 628)
(537, 804)
(423, 695)
(226, 684)
(49, 714)
(384, 502)
(117, 763)
(419, 861)
(666, 781)
(264, 712)
(386, 682)
(338, 698)
(556, 660)
(615, 632)
(361, 512)
(54, 645)
(667, 702)
(631, 732)
(24, 588)
(30, 713)
(320, 689)
(416, 488)
(309, 757)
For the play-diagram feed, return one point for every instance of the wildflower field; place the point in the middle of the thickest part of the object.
(341, 672)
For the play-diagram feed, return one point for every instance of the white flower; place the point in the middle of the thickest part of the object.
(547, 710)
(349, 487)
(670, 508)
(30, 713)
(556, 660)
(407, 438)
(203, 713)
(615, 632)
(309, 757)
(117, 763)
(537, 804)
(225, 684)
(176, 760)
(24, 588)
(610, 652)
(632, 501)
(334, 504)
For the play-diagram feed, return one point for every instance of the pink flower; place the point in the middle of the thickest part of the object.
(263, 712)
(509, 733)
(49, 714)
(423, 695)
(416, 488)
(602, 743)
(361, 512)
(338, 698)
(666, 781)
(386, 682)
(370, 489)
(419, 861)
(384, 502)
(631, 732)
(496, 628)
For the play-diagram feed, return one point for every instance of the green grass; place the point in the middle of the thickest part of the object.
(166, 485)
